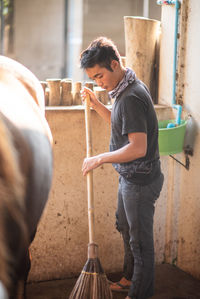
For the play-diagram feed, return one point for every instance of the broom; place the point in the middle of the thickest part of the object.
(92, 282)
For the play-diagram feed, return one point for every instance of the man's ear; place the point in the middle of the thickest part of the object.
(114, 64)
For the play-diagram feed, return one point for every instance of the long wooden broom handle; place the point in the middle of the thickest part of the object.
(90, 192)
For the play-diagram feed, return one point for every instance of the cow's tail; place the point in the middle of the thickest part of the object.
(12, 219)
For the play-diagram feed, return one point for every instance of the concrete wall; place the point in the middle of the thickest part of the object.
(189, 232)
(40, 42)
(39, 36)
(183, 222)
(106, 18)
(151, 9)
(60, 247)
(154, 10)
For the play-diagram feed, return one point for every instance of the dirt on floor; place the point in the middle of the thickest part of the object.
(171, 283)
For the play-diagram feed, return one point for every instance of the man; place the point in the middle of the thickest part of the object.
(135, 156)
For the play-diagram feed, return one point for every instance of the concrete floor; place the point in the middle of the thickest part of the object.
(171, 283)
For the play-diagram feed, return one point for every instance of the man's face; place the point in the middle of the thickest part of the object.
(103, 77)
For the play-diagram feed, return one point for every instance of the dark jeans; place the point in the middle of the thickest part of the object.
(134, 214)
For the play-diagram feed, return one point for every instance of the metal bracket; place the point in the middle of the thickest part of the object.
(187, 161)
(188, 151)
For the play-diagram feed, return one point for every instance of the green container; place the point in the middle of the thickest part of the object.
(171, 139)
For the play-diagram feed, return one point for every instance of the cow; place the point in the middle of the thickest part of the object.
(26, 167)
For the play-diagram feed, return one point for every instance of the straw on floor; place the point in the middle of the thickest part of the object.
(92, 282)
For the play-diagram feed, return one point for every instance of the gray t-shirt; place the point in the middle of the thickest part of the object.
(132, 112)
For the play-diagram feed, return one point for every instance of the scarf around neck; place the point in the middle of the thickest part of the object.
(129, 77)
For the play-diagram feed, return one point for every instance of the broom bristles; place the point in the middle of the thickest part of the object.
(92, 282)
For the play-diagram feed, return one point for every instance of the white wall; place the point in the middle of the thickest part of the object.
(189, 233)
(182, 237)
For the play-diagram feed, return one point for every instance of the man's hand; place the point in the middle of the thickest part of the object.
(93, 99)
(90, 163)
(99, 107)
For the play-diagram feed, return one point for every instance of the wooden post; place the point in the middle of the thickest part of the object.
(102, 95)
(46, 94)
(44, 85)
(76, 93)
(66, 92)
(54, 91)
(141, 36)
(89, 85)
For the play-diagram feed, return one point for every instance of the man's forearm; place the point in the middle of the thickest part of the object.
(125, 154)
(135, 149)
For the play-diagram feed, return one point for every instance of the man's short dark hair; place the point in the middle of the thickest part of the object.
(101, 51)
